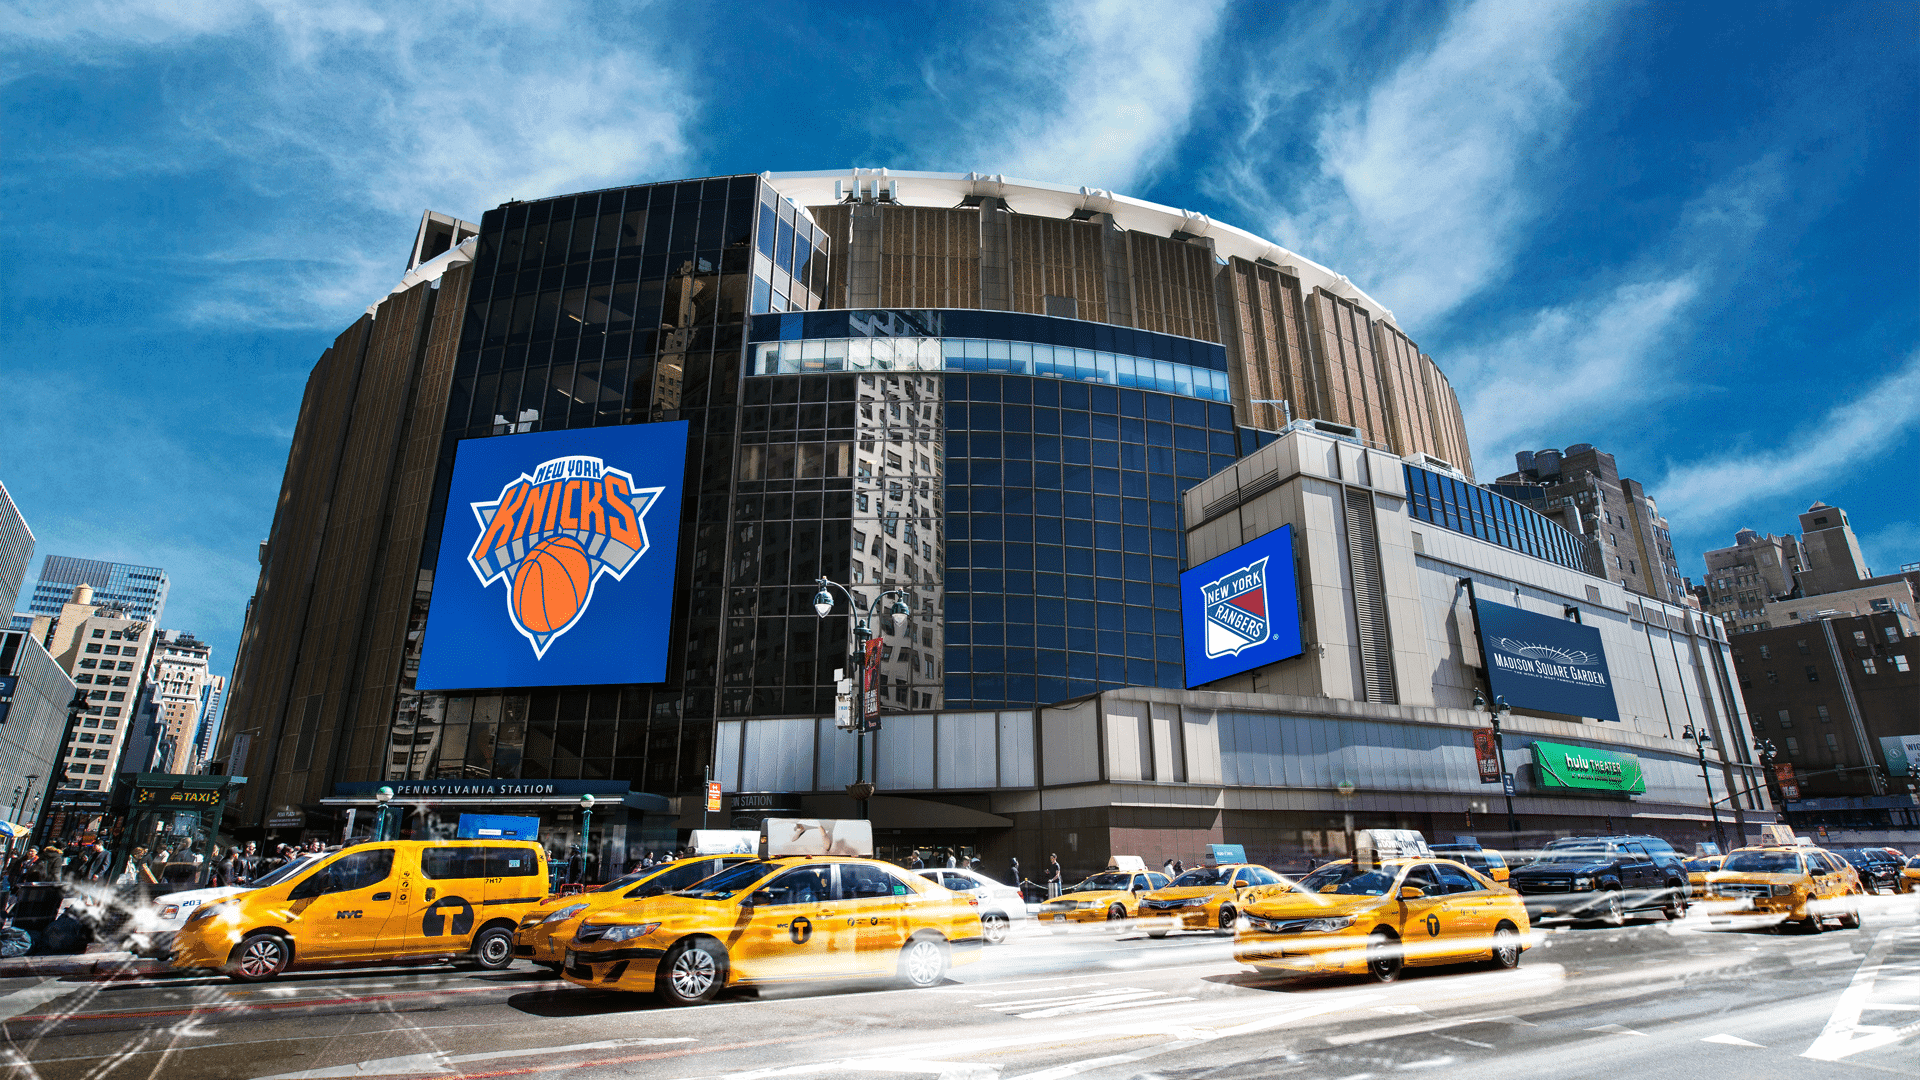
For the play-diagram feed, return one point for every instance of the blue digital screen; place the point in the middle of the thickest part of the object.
(1542, 663)
(1241, 610)
(557, 559)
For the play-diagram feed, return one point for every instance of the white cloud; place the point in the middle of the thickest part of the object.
(1094, 92)
(1714, 489)
(1426, 183)
(346, 119)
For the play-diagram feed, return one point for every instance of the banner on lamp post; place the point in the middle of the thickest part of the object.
(1487, 753)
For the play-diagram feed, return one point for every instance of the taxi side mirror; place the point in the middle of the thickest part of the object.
(1408, 892)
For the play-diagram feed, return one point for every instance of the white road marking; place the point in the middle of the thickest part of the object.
(1730, 1040)
(1458, 1039)
(1101, 1006)
(944, 1070)
(440, 1061)
(1616, 1029)
(25, 1001)
(1844, 1034)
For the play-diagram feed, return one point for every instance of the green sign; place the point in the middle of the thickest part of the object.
(1902, 753)
(1561, 766)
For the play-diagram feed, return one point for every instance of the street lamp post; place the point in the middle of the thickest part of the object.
(823, 605)
(586, 834)
(75, 710)
(1500, 708)
(381, 797)
(1699, 738)
(1346, 804)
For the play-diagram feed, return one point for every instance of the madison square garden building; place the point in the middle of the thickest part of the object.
(555, 507)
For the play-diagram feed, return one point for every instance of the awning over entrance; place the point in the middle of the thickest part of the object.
(494, 793)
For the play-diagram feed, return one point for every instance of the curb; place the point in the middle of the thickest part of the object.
(104, 965)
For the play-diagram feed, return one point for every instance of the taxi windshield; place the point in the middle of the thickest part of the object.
(724, 884)
(1202, 876)
(626, 880)
(282, 873)
(1104, 883)
(1914, 863)
(1346, 879)
(1702, 864)
(1762, 862)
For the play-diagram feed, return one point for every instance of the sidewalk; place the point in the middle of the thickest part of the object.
(97, 963)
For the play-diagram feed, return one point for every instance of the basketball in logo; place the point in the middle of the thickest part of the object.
(551, 584)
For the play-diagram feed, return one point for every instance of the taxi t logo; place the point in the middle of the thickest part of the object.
(800, 930)
(552, 534)
(1236, 606)
(1433, 926)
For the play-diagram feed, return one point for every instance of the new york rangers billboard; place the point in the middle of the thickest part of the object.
(1241, 610)
(1540, 662)
(556, 561)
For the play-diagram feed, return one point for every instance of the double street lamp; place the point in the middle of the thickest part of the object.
(381, 797)
(586, 835)
(1700, 738)
(1500, 708)
(823, 605)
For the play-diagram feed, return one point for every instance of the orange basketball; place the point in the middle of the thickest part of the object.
(551, 584)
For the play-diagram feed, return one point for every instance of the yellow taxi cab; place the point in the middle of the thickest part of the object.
(1697, 869)
(1800, 883)
(543, 930)
(1210, 897)
(1112, 896)
(1361, 915)
(1910, 876)
(781, 918)
(373, 903)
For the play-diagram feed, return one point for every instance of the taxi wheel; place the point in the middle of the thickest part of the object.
(1384, 958)
(692, 972)
(1812, 924)
(1506, 946)
(1117, 914)
(1851, 920)
(259, 958)
(995, 928)
(493, 949)
(1227, 917)
(923, 963)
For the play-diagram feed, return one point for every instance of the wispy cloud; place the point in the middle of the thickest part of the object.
(1423, 183)
(352, 117)
(1714, 489)
(1094, 92)
(1567, 372)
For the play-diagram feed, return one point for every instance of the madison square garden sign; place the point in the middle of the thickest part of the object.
(1544, 664)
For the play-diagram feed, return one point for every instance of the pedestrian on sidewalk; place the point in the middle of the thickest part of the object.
(1013, 870)
(1053, 875)
(99, 864)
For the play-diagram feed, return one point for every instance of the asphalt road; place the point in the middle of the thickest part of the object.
(1649, 1001)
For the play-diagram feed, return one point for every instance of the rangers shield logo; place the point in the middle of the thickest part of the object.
(1236, 607)
(553, 534)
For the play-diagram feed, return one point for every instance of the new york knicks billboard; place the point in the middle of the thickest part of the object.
(556, 561)
(1241, 610)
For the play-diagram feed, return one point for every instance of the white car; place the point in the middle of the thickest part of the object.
(1000, 905)
(152, 929)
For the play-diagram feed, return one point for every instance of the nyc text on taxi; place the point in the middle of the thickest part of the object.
(779, 920)
(373, 903)
(1352, 917)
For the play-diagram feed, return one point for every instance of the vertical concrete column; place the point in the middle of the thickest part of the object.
(996, 256)
(863, 256)
(1118, 271)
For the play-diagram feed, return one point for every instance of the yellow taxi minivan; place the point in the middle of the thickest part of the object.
(1799, 883)
(782, 918)
(1210, 897)
(396, 900)
(1910, 875)
(1359, 916)
(543, 931)
(1112, 896)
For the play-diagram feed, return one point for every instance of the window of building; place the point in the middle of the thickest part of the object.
(93, 648)
(1766, 652)
(1866, 665)
(1793, 746)
(1860, 637)
(1786, 719)
(1833, 743)
(1773, 677)
(1899, 662)
(111, 724)
(1804, 651)
(106, 740)
(1892, 632)
(84, 737)
(93, 785)
(1813, 673)
(113, 710)
(1821, 712)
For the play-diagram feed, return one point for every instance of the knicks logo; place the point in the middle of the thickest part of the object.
(1236, 606)
(553, 534)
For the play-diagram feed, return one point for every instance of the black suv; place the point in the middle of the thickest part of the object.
(1602, 878)
(1878, 870)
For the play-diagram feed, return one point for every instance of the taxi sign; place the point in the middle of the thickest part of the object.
(724, 841)
(1226, 854)
(1777, 835)
(1126, 862)
(1374, 845)
(786, 837)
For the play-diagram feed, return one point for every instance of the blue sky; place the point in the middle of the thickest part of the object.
(1687, 233)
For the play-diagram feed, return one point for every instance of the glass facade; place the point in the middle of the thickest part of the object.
(140, 591)
(1466, 508)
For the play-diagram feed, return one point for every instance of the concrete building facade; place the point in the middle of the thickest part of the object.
(105, 650)
(16, 552)
(178, 687)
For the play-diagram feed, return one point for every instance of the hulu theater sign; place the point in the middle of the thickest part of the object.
(1557, 765)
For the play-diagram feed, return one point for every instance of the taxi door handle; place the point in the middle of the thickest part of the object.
(431, 893)
(383, 896)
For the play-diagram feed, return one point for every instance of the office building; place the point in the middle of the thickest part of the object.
(105, 650)
(1764, 581)
(1632, 545)
(140, 592)
(982, 403)
(16, 552)
(175, 700)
